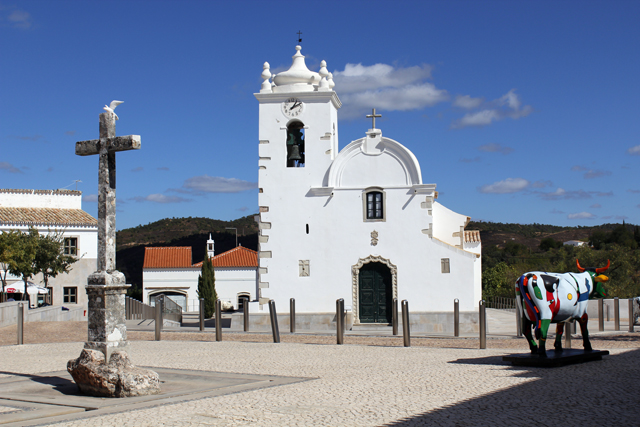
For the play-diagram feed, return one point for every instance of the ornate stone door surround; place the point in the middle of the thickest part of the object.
(355, 280)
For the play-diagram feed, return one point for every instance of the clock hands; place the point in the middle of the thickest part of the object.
(294, 105)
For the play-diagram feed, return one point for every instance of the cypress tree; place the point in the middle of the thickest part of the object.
(207, 287)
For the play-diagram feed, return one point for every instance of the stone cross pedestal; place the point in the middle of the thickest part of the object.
(106, 287)
(104, 368)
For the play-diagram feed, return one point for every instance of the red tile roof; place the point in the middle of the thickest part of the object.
(236, 257)
(46, 216)
(168, 257)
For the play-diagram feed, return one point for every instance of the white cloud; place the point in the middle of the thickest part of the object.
(495, 148)
(90, 198)
(467, 102)
(385, 87)
(581, 215)
(590, 174)
(507, 106)
(9, 167)
(596, 206)
(634, 151)
(556, 211)
(562, 194)
(509, 185)
(20, 19)
(160, 198)
(217, 184)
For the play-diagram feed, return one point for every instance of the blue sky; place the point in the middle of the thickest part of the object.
(520, 111)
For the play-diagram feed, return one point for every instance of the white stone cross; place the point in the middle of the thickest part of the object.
(106, 147)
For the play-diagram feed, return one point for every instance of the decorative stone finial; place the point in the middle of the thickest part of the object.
(332, 84)
(324, 84)
(298, 74)
(266, 75)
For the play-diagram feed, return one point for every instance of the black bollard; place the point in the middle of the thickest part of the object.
(201, 314)
(482, 317)
(406, 333)
(456, 317)
(245, 308)
(292, 315)
(616, 313)
(274, 321)
(218, 320)
(394, 317)
(340, 320)
(20, 323)
(159, 320)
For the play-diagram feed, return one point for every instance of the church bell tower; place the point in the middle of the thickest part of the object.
(298, 140)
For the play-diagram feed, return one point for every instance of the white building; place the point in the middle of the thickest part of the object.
(357, 224)
(170, 271)
(55, 211)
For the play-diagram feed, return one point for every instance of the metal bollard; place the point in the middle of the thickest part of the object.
(600, 314)
(201, 314)
(394, 317)
(456, 317)
(616, 313)
(20, 321)
(292, 315)
(518, 319)
(340, 320)
(406, 333)
(568, 330)
(245, 308)
(159, 320)
(274, 321)
(482, 318)
(631, 301)
(218, 320)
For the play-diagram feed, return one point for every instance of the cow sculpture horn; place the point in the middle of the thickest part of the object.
(603, 269)
(580, 269)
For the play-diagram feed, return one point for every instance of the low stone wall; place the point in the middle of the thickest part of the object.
(420, 322)
(54, 313)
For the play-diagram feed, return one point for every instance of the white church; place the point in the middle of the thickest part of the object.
(359, 223)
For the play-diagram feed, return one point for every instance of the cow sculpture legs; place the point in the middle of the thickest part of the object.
(541, 335)
(583, 329)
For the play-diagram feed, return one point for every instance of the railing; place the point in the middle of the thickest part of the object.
(171, 310)
(134, 309)
(501, 303)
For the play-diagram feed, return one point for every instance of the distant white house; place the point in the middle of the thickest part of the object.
(55, 211)
(574, 243)
(169, 271)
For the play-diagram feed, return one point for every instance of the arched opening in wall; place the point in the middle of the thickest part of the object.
(295, 144)
(242, 296)
(178, 297)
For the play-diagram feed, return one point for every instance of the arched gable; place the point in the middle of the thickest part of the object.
(374, 161)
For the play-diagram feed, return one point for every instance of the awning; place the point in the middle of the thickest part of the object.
(32, 288)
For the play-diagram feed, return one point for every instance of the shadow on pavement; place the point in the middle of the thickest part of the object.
(596, 393)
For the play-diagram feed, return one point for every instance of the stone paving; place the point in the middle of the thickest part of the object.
(373, 385)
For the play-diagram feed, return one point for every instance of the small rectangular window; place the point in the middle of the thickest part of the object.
(374, 205)
(71, 246)
(445, 265)
(70, 295)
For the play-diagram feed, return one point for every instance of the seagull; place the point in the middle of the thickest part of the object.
(112, 107)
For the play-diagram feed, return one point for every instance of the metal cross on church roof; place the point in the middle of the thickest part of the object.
(299, 36)
(373, 116)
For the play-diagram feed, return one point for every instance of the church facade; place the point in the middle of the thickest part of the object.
(357, 223)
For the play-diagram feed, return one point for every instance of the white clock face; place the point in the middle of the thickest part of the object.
(292, 107)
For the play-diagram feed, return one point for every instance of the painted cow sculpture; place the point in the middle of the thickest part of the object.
(557, 298)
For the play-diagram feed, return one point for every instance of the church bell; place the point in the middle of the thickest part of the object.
(294, 153)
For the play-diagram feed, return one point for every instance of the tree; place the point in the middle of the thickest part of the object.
(207, 287)
(8, 241)
(549, 243)
(22, 261)
(50, 259)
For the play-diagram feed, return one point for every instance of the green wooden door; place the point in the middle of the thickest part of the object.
(375, 293)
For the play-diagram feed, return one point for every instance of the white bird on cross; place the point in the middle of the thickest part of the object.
(112, 107)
